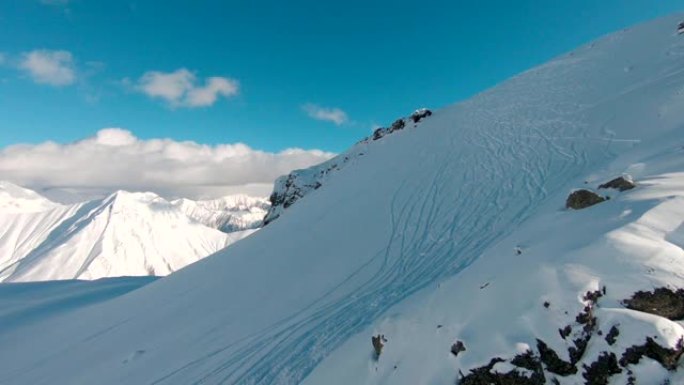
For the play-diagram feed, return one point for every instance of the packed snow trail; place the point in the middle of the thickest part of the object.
(420, 205)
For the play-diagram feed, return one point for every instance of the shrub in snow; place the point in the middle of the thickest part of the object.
(680, 28)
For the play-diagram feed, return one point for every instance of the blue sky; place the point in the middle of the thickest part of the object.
(355, 63)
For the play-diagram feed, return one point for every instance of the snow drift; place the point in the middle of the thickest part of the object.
(454, 230)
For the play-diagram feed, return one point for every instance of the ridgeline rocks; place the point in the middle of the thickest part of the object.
(400, 124)
(583, 198)
(662, 301)
(288, 189)
(536, 368)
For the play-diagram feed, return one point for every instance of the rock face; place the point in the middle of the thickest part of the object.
(288, 189)
(581, 199)
(662, 301)
(622, 183)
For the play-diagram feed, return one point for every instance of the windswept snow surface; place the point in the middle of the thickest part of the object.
(125, 234)
(389, 243)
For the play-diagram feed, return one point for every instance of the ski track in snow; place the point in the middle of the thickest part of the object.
(425, 245)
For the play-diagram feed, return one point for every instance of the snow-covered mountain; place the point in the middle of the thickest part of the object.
(451, 239)
(15, 199)
(228, 214)
(124, 234)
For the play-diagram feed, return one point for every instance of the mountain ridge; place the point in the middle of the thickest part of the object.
(123, 234)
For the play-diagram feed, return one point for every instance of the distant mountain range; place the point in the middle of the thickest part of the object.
(124, 234)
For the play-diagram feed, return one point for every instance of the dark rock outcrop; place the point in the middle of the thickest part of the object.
(378, 343)
(666, 357)
(622, 183)
(612, 335)
(420, 114)
(600, 371)
(457, 348)
(662, 301)
(553, 363)
(580, 199)
(485, 376)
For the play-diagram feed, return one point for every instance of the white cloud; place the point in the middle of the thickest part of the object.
(55, 68)
(179, 88)
(115, 159)
(317, 112)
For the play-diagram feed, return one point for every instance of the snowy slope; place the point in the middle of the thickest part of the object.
(122, 235)
(422, 231)
(15, 199)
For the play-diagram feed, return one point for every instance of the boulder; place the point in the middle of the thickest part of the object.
(580, 199)
(622, 183)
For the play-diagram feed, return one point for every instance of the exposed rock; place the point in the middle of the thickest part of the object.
(666, 357)
(662, 301)
(398, 124)
(378, 343)
(553, 363)
(484, 376)
(565, 332)
(600, 371)
(419, 114)
(612, 335)
(527, 361)
(580, 199)
(576, 352)
(289, 189)
(593, 296)
(379, 133)
(457, 347)
(622, 183)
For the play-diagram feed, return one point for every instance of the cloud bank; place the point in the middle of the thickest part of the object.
(54, 68)
(334, 115)
(180, 89)
(116, 159)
